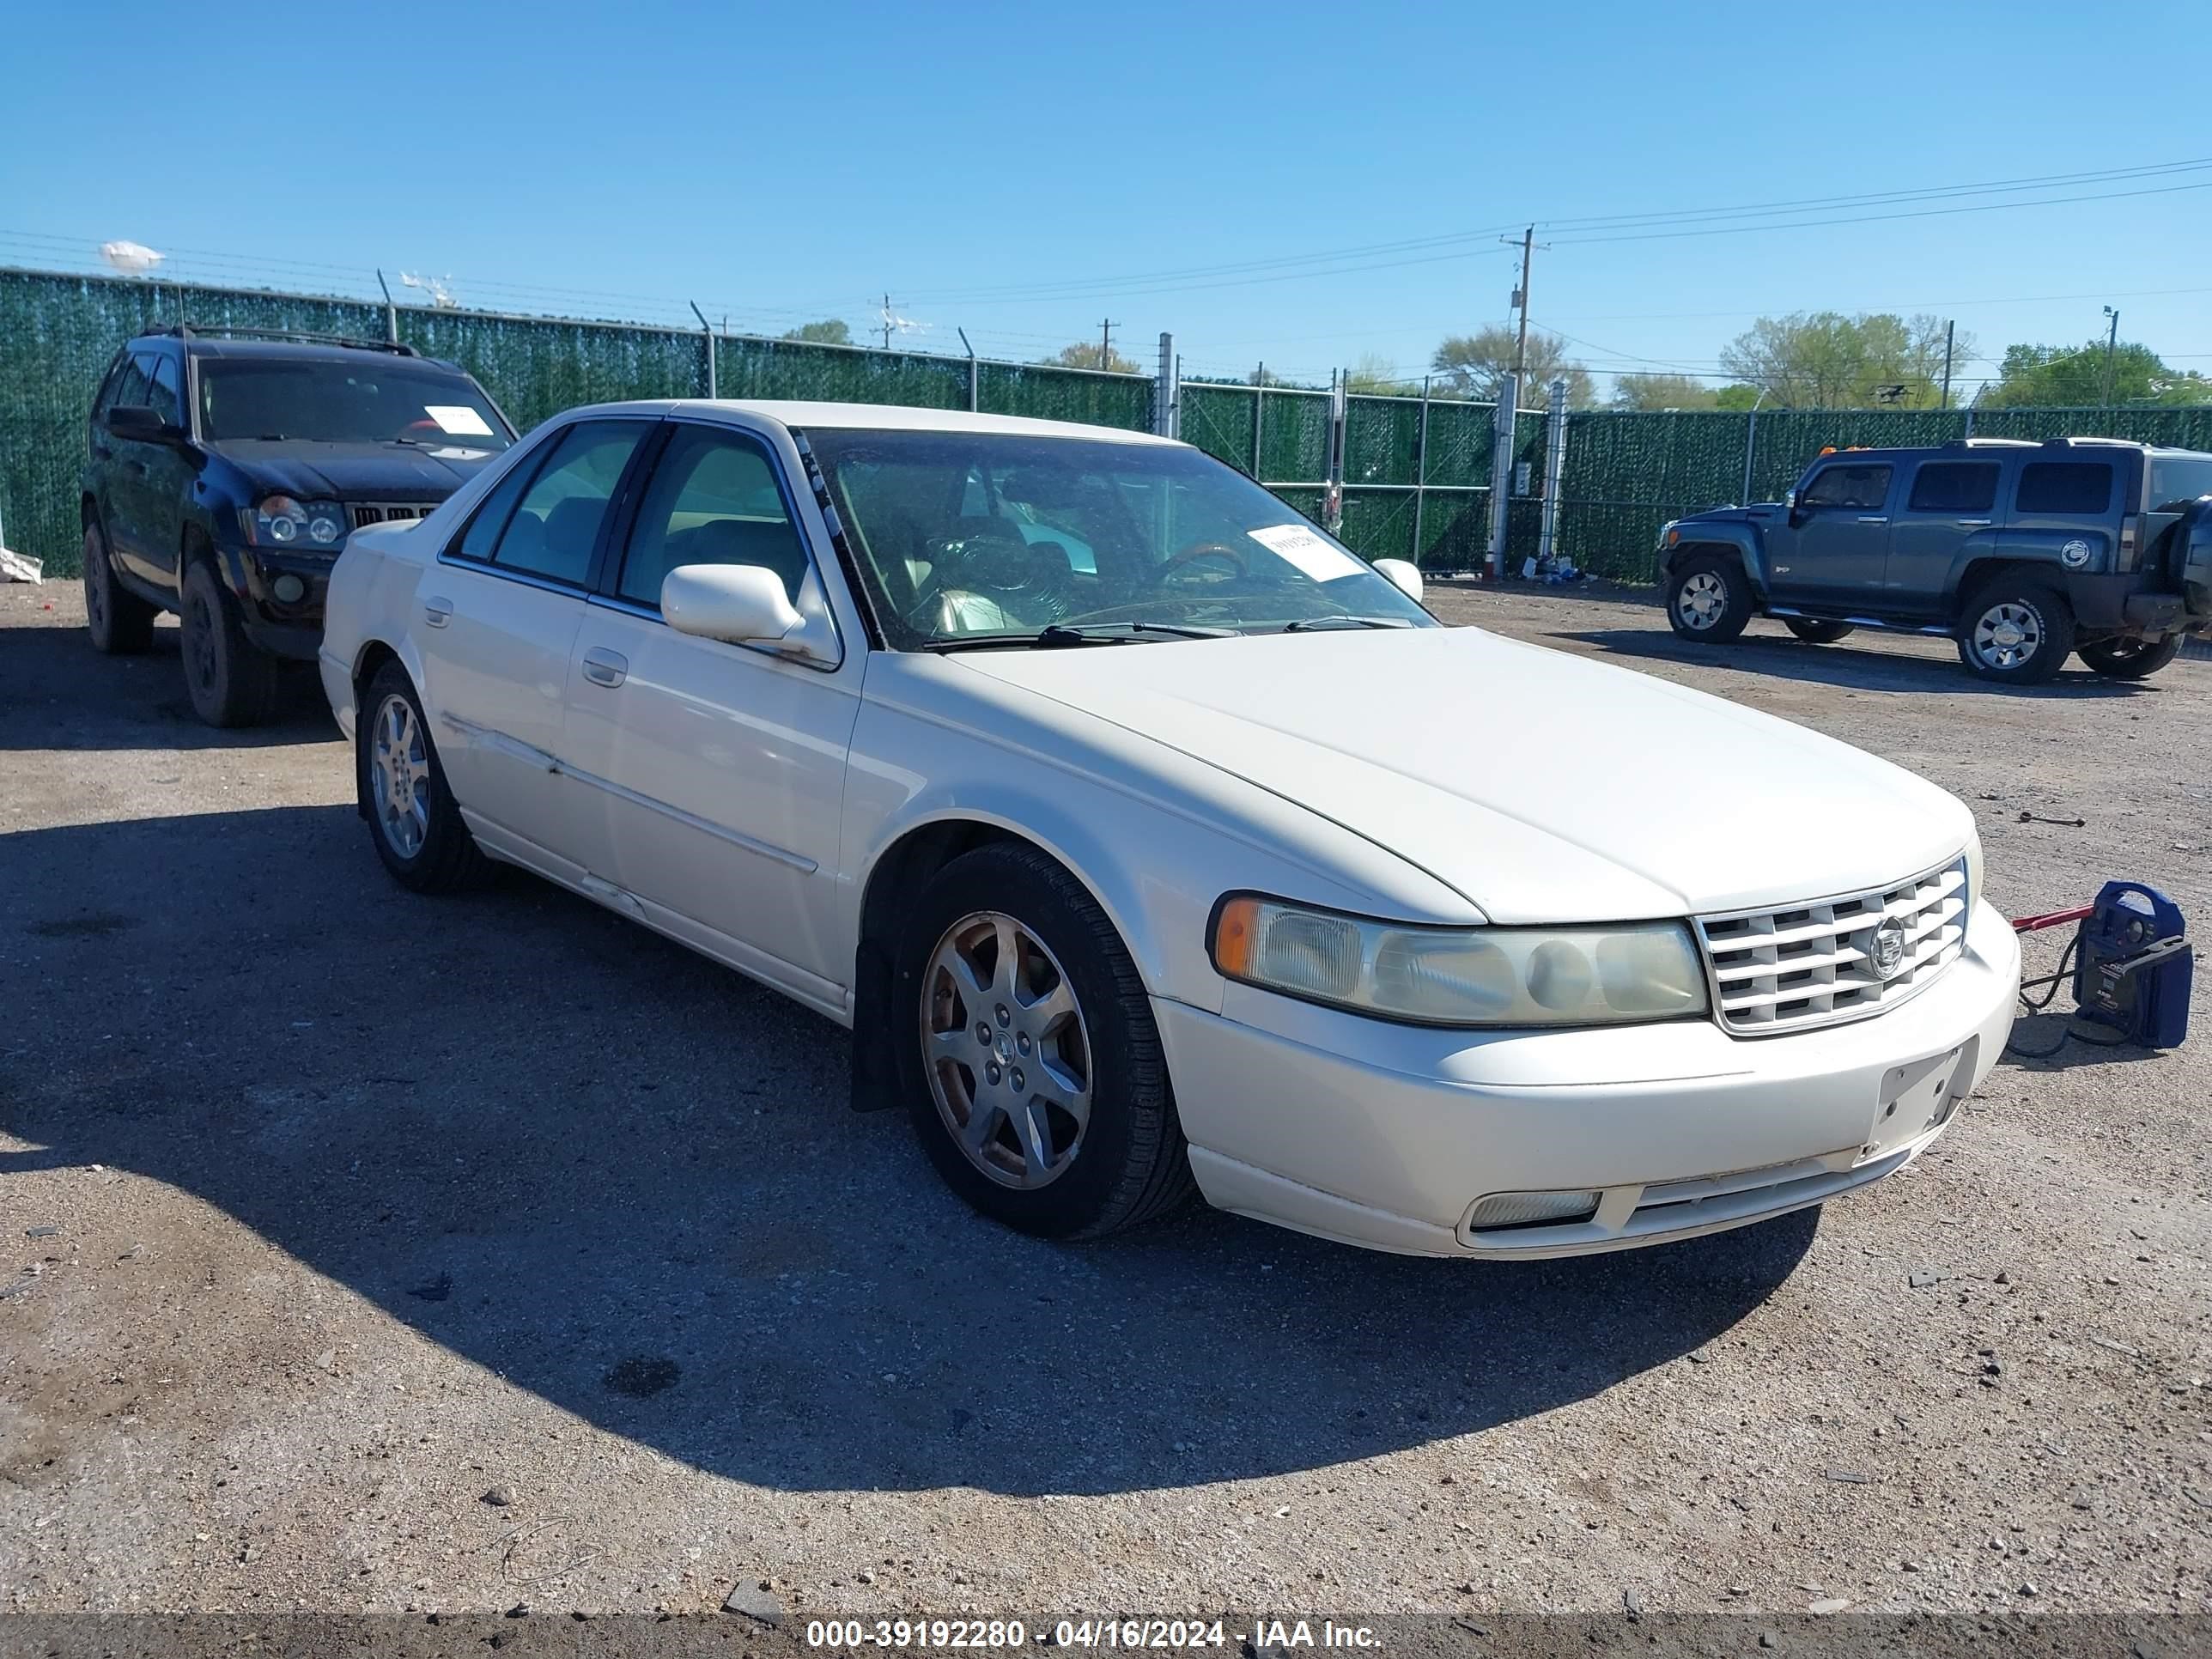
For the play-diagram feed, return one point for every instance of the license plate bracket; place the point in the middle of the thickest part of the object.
(1917, 1096)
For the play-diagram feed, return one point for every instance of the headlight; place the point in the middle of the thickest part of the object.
(280, 521)
(1462, 975)
(1669, 535)
(1973, 856)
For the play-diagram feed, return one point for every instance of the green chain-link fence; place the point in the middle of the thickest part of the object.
(1416, 473)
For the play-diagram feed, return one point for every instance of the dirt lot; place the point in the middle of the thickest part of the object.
(328, 1211)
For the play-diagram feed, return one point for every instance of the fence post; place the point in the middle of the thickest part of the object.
(1332, 501)
(1750, 444)
(391, 311)
(1501, 470)
(1421, 468)
(974, 378)
(1555, 471)
(707, 328)
(1164, 390)
(1259, 410)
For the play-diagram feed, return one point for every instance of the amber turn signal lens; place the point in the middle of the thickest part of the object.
(1234, 930)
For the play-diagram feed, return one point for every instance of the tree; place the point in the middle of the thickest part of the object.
(1372, 376)
(1476, 365)
(1824, 360)
(830, 331)
(2068, 377)
(1736, 398)
(1085, 353)
(1650, 391)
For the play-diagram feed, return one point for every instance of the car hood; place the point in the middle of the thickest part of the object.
(352, 473)
(1730, 514)
(1541, 786)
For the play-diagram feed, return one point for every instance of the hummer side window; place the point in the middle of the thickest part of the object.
(2065, 487)
(1847, 485)
(1955, 487)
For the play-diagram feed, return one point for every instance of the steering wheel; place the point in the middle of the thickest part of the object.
(1198, 550)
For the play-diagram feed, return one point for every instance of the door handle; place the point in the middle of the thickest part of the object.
(1874, 518)
(1976, 524)
(605, 667)
(437, 612)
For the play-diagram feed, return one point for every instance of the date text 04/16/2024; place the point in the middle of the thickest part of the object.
(1167, 1634)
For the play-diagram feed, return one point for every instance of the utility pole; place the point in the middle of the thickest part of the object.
(2111, 344)
(1106, 343)
(1950, 330)
(1521, 301)
(887, 322)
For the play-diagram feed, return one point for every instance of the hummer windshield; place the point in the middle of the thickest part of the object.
(977, 538)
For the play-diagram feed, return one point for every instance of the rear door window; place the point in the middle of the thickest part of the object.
(555, 526)
(1848, 485)
(1955, 487)
(2075, 489)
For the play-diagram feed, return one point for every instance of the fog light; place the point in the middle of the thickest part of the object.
(289, 588)
(1521, 1209)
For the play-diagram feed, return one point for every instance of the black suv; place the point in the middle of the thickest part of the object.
(227, 469)
(2022, 552)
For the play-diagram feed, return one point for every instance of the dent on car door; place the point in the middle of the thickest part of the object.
(718, 770)
(496, 620)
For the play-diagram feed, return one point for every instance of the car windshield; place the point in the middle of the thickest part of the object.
(366, 399)
(981, 537)
(2180, 479)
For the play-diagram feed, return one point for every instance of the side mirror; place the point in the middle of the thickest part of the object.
(742, 604)
(1790, 499)
(139, 423)
(1402, 574)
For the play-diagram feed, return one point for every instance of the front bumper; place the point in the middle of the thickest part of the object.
(1387, 1136)
(291, 628)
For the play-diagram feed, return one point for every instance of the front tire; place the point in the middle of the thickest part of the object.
(413, 818)
(1032, 1065)
(1708, 600)
(2130, 659)
(232, 681)
(1814, 632)
(118, 622)
(2016, 632)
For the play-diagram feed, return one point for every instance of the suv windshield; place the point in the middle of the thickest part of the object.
(2179, 478)
(983, 536)
(367, 399)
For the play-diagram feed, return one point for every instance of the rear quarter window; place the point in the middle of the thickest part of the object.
(2065, 487)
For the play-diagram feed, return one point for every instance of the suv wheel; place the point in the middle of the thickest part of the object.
(1817, 633)
(412, 816)
(2016, 631)
(1709, 599)
(232, 681)
(2130, 659)
(1031, 1062)
(119, 623)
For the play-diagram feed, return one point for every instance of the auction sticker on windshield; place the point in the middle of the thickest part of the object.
(1322, 560)
(458, 420)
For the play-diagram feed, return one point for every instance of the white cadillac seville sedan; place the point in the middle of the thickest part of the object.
(1145, 837)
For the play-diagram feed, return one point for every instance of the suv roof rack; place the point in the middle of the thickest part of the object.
(187, 330)
(1994, 443)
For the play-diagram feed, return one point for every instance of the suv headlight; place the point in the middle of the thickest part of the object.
(1973, 857)
(280, 521)
(1605, 975)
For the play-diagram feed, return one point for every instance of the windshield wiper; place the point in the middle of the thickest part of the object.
(1306, 624)
(1063, 635)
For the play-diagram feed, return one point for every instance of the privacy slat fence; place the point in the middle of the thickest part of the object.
(1415, 473)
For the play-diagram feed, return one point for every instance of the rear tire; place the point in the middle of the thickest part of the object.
(992, 1050)
(232, 681)
(1817, 633)
(412, 816)
(1709, 600)
(2130, 659)
(2015, 632)
(118, 622)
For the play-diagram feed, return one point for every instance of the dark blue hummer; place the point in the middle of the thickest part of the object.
(226, 470)
(2022, 552)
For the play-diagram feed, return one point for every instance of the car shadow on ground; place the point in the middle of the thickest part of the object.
(627, 1180)
(1842, 665)
(57, 692)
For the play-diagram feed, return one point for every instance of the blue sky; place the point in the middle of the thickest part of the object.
(1025, 171)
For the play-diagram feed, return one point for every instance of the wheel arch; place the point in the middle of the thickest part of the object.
(1977, 574)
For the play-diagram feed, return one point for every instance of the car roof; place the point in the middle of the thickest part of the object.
(880, 417)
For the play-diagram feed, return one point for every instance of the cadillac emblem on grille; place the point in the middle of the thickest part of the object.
(1886, 950)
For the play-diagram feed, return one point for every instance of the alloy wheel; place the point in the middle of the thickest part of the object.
(1703, 598)
(1006, 1050)
(399, 777)
(2007, 634)
(199, 641)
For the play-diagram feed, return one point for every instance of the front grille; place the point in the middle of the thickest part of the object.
(1813, 964)
(367, 512)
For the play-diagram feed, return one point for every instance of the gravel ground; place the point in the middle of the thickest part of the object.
(367, 1252)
